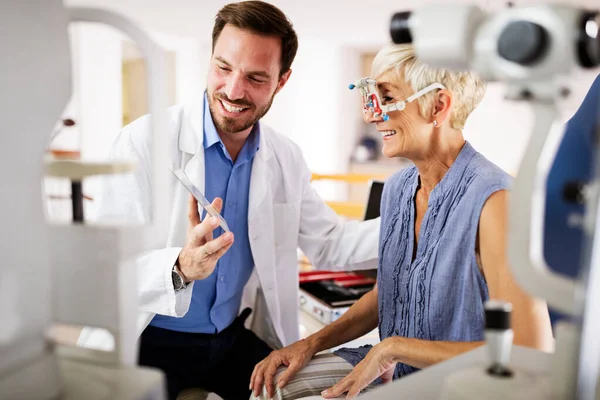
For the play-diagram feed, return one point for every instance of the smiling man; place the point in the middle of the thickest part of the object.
(246, 72)
(192, 290)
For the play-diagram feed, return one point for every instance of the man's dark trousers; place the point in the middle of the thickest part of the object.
(221, 363)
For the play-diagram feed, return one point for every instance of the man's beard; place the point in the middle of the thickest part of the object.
(234, 125)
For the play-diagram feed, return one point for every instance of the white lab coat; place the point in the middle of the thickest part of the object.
(284, 213)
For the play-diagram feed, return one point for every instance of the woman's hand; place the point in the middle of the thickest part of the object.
(294, 356)
(379, 362)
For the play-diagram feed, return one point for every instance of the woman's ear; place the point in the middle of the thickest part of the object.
(442, 105)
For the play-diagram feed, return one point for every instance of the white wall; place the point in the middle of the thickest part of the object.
(96, 107)
(315, 109)
(96, 104)
(100, 88)
(500, 129)
(191, 66)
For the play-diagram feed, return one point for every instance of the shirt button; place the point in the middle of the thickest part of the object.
(231, 204)
(221, 278)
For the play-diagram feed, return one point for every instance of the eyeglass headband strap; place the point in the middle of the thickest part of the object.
(421, 92)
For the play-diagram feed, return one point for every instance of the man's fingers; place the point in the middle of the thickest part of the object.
(193, 214)
(218, 205)
(202, 229)
(219, 243)
(219, 253)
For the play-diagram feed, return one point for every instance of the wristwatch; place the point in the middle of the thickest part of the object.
(178, 281)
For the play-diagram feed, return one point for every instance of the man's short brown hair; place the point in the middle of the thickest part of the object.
(263, 19)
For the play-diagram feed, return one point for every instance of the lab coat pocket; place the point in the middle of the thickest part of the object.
(286, 221)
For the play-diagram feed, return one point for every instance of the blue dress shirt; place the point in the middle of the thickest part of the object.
(216, 300)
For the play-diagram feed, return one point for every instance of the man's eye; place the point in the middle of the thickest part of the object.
(222, 68)
(257, 80)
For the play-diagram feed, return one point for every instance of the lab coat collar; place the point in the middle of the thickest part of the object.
(191, 137)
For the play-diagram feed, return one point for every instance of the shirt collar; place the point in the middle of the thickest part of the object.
(456, 170)
(211, 136)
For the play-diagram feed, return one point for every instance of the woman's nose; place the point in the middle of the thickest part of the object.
(370, 117)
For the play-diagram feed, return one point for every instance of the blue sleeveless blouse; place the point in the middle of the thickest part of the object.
(440, 294)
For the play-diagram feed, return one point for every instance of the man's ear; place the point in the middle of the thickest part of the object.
(283, 80)
(442, 105)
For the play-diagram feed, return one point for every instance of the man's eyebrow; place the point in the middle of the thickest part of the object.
(252, 73)
(221, 60)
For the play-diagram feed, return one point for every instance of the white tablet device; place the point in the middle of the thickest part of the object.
(200, 197)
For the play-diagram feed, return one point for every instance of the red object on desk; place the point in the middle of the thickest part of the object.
(358, 281)
(339, 278)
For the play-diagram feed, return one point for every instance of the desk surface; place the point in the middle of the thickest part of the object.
(85, 380)
(427, 384)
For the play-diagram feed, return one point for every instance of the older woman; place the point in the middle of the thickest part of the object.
(442, 247)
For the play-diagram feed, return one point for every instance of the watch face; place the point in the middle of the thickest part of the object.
(177, 282)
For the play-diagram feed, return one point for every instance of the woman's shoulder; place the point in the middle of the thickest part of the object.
(396, 186)
(401, 178)
(485, 173)
(399, 181)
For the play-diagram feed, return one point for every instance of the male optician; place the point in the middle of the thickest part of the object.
(191, 291)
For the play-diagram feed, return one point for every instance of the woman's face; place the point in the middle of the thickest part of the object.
(406, 133)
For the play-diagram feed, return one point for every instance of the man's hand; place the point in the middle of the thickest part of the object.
(379, 362)
(201, 252)
(294, 356)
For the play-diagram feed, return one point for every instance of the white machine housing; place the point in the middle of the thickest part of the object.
(77, 274)
(36, 85)
(463, 37)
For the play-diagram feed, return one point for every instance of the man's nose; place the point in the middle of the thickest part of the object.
(235, 87)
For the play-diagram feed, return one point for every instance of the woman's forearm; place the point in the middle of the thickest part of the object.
(359, 320)
(424, 353)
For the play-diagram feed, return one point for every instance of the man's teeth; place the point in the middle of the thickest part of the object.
(231, 108)
(388, 133)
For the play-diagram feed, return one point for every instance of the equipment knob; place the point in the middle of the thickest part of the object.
(523, 42)
(400, 29)
(498, 336)
(588, 45)
(575, 192)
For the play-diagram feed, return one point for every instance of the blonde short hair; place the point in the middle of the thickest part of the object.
(467, 88)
